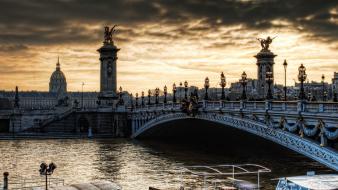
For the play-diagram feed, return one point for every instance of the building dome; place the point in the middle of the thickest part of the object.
(58, 83)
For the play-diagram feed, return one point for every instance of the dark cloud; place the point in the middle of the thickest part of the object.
(69, 21)
(13, 48)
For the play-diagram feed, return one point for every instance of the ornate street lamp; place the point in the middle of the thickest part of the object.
(186, 89)
(165, 91)
(323, 80)
(142, 99)
(243, 82)
(285, 64)
(180, 91)
(120, 96)
(174, 93)
(269, 80)
(223, 83)
(302, 77)
(136, 99)
(206, 86)
(149, 94)
(131, 100)
(157, 92)
(47, 170)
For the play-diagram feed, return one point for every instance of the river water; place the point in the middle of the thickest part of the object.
(139, 164)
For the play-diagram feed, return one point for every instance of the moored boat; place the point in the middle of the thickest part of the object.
(311, 181)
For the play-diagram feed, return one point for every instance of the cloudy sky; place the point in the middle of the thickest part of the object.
(163, 41)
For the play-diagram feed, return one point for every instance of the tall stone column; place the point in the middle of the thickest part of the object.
(108, 58)
(265, 62)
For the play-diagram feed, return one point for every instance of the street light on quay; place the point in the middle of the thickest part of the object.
(149, 95)
(285, 64)
(269, 80)
(165, 91)
(174, 93)
(206, 86)
(243, 82)
(302, 77)
(142, 98)
(323, 80)
(82, 96)
(186, 89)
(47, 170)
(223, 84)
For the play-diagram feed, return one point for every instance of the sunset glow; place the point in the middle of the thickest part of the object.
(160, 51)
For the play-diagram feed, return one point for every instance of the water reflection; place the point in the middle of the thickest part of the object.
(138, 164)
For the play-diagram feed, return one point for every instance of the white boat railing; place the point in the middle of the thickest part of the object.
(220, 175)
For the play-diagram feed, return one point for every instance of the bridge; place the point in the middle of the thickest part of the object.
(309, 128)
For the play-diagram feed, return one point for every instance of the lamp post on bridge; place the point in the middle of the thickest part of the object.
(223, 83)
(120, 96)
(174, 93)
(269, 79)
(165, 93)
(323, 80)
(285, 64)
(157, 92)
(206, 86)
(142, 98)
(131, 101)
(149, 95)
(243, 82)
(136, 99)
(180, 91)
(186, 89)
(302, 77)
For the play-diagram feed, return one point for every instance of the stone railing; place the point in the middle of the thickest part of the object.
(290, 106)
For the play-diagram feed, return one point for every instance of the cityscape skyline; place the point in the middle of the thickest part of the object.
(158, 52)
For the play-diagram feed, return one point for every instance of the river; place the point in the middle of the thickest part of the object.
(138, 164)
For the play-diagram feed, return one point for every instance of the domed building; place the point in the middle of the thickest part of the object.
(58, 83)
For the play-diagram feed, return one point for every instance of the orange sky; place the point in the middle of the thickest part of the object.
(154, 54)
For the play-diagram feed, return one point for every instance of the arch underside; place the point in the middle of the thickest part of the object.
(309, 148)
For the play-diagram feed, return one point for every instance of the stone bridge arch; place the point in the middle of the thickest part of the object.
(325, 155)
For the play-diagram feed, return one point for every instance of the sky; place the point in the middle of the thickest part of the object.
(163, 41)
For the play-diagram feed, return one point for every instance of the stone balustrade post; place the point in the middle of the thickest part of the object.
(204, 104)
(241, 105)
(6, 180)
(300, 106)
(321, 107)
(221, 104)
(268, 105)
(284, 106)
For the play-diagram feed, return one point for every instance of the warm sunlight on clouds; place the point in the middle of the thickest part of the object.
(174, 44)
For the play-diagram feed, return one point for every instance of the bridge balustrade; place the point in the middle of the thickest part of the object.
(330, 107)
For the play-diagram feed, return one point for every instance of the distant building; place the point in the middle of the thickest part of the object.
(58, 83)
(315, 91)
(236, 90)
